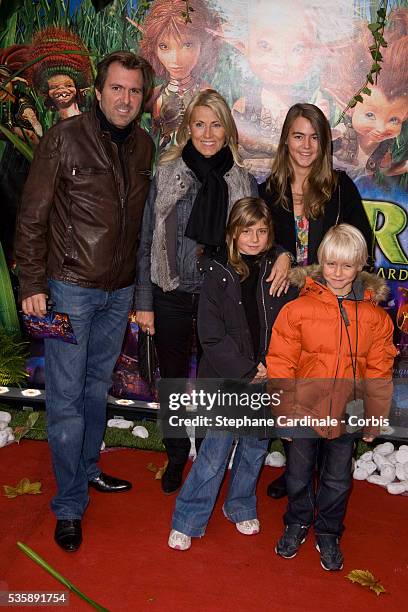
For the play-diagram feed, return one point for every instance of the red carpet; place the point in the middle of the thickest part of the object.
(125, 564)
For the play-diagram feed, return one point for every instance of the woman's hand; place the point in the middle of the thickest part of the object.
(279, 275)
(145, 320)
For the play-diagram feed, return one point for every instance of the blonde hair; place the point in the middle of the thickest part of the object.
(215, 102)
(246, 212)
(321, 181)
(343, 242)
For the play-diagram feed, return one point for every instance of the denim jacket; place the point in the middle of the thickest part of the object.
(166, 257)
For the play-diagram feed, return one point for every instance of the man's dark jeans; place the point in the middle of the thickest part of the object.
(325, 506)
(175, 314)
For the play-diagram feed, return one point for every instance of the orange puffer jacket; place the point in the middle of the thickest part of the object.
(339, 352)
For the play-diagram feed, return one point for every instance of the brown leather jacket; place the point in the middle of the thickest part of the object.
(79, 219)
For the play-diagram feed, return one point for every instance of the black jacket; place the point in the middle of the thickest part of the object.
(345, 206)
(222, 325)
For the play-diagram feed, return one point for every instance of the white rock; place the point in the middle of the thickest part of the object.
(402, 455)
(380, 460)
(140, 432)
(275, 459)
(384, 449)
(120, 423)
(396, 488)
(3, 425)
(5, 416)
(377, 479)
(3, 438)
(403, 447)
(360, 473)
(402, 471)
(393, 458)
(388, 472)
(369, 466)
(366, 456)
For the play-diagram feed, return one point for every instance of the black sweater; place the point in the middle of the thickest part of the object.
(345, 206)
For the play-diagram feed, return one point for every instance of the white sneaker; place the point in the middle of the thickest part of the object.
(251, 527)
(178, 540)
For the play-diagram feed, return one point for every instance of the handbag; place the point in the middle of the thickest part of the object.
(147, 358)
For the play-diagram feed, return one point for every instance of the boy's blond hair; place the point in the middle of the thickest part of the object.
(343, 242)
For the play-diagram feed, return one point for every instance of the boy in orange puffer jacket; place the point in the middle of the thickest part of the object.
(335, 338)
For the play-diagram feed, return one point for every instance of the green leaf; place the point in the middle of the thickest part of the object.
(370, 79)
(20, 432)
(359, 98)
(376, 55)
(366, 91)
(373, 27)
(13, 355)
(8, 311)
(42, 563)
(382, 13)
(375, 67)
(19, 144)
(352, 103)
(7, 10)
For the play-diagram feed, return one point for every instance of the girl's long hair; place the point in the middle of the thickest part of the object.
(244, 213)
(215, 102)
(322, 179)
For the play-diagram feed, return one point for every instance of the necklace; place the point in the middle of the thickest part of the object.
(181, 86)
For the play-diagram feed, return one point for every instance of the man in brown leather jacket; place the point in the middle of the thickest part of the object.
(76, 243)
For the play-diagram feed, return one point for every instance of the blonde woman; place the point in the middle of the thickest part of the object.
(197, 182)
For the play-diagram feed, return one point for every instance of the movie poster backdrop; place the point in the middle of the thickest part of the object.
(263, 56)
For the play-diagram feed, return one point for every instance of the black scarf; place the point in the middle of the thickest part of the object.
(208, 217)
(118, 135)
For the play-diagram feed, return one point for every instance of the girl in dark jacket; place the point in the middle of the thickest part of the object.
(234, 331)
(305, 194)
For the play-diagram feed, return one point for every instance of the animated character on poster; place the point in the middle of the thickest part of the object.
(182, 55)
(282, 57)
(18, 112)
(366, 140)
(59, 76)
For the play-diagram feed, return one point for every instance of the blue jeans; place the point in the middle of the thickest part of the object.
(327, 506)
(77, 381)
(197, 497)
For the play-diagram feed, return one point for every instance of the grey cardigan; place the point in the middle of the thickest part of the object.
(166, 257)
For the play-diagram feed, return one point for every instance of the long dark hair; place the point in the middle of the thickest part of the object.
(321, 181)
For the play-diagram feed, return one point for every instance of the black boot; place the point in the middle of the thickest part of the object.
(178, 450)
(277, 488)
(172, 478)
